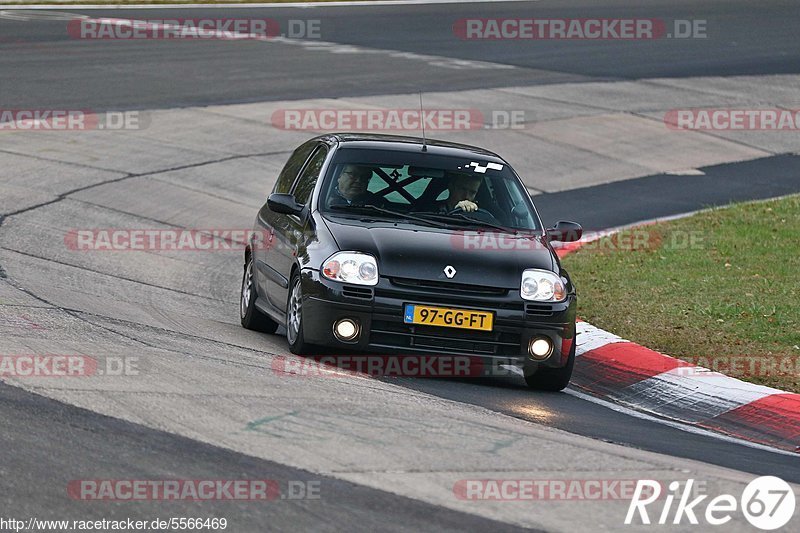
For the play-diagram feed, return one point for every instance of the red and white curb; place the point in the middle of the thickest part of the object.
(626, 373)
(623, 372)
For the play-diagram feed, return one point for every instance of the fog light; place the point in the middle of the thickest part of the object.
(346, 329)
(540, 348)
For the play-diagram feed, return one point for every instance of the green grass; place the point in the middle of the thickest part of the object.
(734, 292)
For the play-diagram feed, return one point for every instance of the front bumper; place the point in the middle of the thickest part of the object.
(379, 310)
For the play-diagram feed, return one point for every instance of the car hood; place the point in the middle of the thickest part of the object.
(485, 257)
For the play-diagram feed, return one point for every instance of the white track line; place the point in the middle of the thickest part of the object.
(309, 44)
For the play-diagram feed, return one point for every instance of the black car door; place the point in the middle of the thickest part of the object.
(262, 251)
(289, 228)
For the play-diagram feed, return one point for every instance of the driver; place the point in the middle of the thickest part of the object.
(351, 187)
(462, 188)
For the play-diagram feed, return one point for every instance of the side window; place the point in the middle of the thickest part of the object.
(305, 184)
(518, 214)
(292, 167)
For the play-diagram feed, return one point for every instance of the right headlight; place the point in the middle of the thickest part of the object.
(351, 267)
(542, 286)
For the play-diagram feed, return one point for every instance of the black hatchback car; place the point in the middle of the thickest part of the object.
(389, 244)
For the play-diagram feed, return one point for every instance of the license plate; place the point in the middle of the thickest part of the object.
(449, 318)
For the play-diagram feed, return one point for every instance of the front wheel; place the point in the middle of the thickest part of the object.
(546, 378)
(251, 317)
(294, 318)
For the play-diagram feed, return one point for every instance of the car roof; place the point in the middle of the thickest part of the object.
(400, 143)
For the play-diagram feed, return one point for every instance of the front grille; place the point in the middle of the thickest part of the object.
(538, 310)
(462, 341)
(362, 293)
(446, 286)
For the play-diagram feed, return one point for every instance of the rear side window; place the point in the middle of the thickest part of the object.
(292, 167)
(305, 185)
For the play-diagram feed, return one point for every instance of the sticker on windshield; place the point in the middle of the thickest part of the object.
(476, 167)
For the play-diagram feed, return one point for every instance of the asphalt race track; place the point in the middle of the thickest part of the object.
(205, 401)
(163, 74)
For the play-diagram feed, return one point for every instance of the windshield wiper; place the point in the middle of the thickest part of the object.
(459, 217)
(375, 209)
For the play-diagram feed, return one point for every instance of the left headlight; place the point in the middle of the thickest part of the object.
(542, 286)
(351, 267)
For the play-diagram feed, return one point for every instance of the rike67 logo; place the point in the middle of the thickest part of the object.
(767, 503)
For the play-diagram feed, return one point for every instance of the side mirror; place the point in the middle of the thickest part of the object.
(284, 203)
(565, 231)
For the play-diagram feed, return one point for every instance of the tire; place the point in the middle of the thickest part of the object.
(546, 378)
(294, 318)
(251, 317)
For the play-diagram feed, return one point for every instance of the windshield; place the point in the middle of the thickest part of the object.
(455, 191)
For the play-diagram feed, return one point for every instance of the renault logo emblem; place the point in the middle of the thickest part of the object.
(449, 271)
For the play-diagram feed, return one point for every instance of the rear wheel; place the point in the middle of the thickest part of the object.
(294, 318)
(251, 317)
(546, 378)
